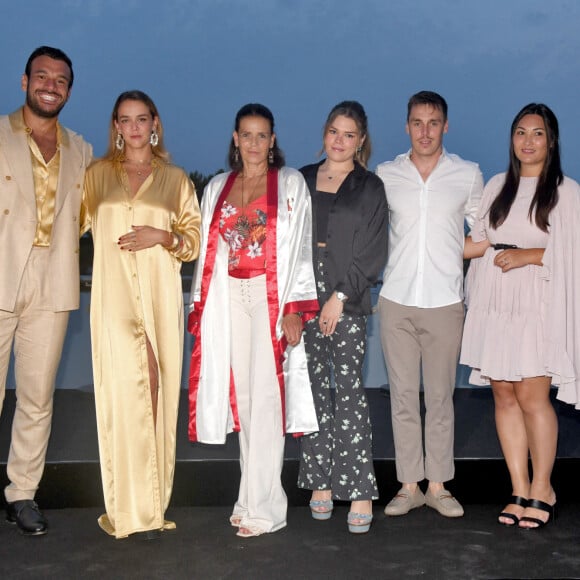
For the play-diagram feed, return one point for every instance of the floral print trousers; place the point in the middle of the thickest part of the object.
(339, 455)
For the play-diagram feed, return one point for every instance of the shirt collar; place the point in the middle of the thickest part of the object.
(444, 155)
(18, 125)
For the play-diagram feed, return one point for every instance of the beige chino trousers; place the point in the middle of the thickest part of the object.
(422, 341)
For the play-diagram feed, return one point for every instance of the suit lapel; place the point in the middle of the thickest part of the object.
(17, 152)
(15, 148)
(71, 162)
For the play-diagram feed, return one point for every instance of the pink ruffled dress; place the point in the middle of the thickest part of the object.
(503, 338)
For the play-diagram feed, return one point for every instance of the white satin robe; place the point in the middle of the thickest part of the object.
(212, 394)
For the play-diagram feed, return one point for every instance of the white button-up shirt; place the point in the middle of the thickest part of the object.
(426, 236)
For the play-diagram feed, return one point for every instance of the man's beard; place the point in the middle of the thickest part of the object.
(37, 109)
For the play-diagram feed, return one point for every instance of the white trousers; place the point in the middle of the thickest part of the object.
(261, 502)
(38, 335)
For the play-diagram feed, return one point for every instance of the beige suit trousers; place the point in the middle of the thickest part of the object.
(37, 335)
(422, 341)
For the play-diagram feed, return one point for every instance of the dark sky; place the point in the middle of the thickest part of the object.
(200, 60)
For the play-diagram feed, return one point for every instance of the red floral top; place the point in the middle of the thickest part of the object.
(244, 230)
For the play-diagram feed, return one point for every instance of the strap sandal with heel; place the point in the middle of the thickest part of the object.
(542, 506)
(321, 509)
(515, 500)
(359, 523)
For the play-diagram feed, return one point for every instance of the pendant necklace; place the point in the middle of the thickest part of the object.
(339, 174)
(139, 164)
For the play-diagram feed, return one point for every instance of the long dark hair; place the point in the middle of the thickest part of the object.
(254, 110)
(546, 196)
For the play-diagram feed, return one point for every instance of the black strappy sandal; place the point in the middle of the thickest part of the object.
(539, 505)
(516, 500)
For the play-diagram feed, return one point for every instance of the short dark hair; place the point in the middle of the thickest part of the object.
(427, 98)
(55, 54)
(255, 110)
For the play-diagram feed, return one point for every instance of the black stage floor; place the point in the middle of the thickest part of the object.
(422, 544)
(204, 546)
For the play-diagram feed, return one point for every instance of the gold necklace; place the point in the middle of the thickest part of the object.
(145, 163)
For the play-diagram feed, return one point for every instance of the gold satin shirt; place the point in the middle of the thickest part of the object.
(136, 304)
(45, 176)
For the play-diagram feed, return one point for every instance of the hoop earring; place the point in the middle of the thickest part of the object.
(119, 142)
(236, 155)
(154, 139)
(358, 152)
(271, 156)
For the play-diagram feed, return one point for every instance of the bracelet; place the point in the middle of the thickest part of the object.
(176, 243)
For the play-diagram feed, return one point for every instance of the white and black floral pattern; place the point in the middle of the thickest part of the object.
(339, 456)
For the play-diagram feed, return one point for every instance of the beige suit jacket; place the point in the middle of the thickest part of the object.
(18, 216)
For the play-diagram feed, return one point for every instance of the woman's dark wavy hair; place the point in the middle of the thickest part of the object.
(546, 196)
(255, 110)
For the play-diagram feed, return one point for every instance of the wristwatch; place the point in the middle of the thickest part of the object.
(342, 296)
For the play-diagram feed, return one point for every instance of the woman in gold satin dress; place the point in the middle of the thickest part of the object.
(145, 221)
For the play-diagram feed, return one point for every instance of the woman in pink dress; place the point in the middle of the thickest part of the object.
(508, 337)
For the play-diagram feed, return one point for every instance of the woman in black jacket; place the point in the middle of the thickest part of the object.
(349, 211)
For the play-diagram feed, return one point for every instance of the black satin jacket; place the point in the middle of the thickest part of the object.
(356, 243)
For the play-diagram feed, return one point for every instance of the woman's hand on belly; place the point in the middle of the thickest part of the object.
(510, 259)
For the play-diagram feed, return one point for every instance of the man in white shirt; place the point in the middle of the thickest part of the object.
(430, 195)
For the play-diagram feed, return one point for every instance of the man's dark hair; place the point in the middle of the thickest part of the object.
(427, 98)
(54, 53)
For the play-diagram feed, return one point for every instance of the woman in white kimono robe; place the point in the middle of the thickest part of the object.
(248, 369)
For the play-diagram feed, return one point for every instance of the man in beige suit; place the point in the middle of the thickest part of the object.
(42, 167)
